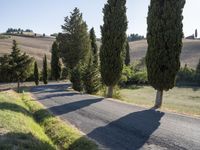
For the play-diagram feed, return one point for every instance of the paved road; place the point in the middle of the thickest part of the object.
(118, 126)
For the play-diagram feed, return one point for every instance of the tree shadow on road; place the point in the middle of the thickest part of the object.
(130, 132)
(70, 107)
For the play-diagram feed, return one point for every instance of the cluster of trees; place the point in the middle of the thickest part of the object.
(15, 67)
(135, 37)
(19, 30)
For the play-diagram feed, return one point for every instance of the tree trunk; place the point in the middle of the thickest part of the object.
(18, 85)
(110, 92)
(159, 99)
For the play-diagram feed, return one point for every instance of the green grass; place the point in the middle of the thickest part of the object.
(18, 130)
(184, 100)
(62, 134)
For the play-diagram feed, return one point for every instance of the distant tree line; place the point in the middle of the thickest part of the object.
(135, 37)
(19, 30)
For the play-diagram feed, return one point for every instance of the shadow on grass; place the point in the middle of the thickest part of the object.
(69, 107)
(193, 87)
(22, 141)
(14, 107)
(130, 132)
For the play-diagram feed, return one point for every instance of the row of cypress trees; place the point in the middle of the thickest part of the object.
(164, 36)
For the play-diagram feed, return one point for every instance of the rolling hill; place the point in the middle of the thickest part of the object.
(190, 53)
(37, 47)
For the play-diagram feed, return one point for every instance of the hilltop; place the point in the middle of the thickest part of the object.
(38, 46)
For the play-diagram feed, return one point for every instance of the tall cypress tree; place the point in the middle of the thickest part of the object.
(127, 54)
(36, 74)
(55, 62)
(196, 33)
(164, 39)
(45, 71)
(113, 42)
(20, 63)
(74, 42)
(94, 46)
(198, 72)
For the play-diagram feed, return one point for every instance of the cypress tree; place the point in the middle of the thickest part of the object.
(20, 63)
(36, 74)
(198, 72)
(45, 71)
(76, 78)
(94, 46)
(74, 42)
(164, 37)
(91, 77)
(55, 62)
(196, 33)
(113, 43)
(127, 54)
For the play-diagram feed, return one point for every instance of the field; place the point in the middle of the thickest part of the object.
(37, 47)
(190, 52)
(184, 100)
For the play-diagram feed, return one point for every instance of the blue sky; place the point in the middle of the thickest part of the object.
(47, 16)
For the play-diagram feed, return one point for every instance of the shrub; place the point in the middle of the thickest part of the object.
(76, 79)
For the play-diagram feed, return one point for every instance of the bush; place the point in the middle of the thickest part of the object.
(186, 76)
(76, 79)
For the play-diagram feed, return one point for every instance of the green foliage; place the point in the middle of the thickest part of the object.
(130, 76)
(164, 39)
(65, 73)
(74, 42)
(55, 62)
(94, 46)
(76, 78)
(127, 55)
(45, 70)
(16, 66)
(36, 74)
(198, 72)
(186, 76)
(113, 41)
(135, 37)
(91, 78)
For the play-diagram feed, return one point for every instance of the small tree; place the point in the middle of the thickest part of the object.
(91, 77)
(55, 62)
(196, 33)
(113, 43)
(76, 78)
(94, 46)
(198, 72)
(19, 63)
(36, 74)
(164, 37)
(45, 70)
(127, 54)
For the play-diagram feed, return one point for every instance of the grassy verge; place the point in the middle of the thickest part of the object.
(184, 100)
(63, 135)
(18, 130)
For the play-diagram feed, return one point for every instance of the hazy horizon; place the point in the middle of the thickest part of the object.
(47, 16)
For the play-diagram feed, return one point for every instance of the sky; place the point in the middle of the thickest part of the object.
(47, 16)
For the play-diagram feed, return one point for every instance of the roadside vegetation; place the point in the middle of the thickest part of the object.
(26, 124)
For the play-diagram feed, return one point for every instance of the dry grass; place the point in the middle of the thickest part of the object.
(190, 53)
(184, 100)
(35, 47)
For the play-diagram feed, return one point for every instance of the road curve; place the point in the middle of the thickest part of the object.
(118, 126)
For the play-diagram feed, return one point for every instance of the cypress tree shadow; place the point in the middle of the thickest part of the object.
(130, 132)
(69, 107)
(13, 107)
(22, 141)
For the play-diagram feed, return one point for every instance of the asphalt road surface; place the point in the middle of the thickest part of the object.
(118, 126)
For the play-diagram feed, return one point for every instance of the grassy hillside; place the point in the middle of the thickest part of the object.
(190, 52)
(35, 47)
(18, 130)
